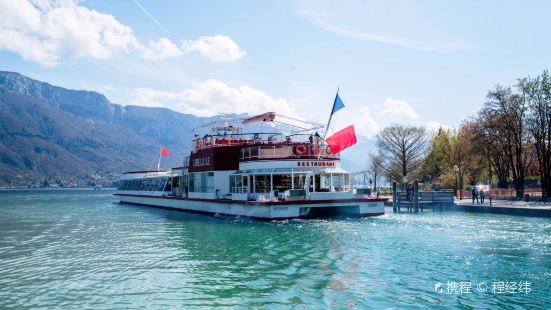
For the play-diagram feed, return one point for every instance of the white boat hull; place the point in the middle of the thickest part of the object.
(262, 210)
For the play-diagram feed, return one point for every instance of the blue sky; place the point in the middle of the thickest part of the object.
(422, 62)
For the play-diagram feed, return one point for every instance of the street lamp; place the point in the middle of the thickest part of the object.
(456, 171)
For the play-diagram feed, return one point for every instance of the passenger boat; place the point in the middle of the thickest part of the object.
(236, 169)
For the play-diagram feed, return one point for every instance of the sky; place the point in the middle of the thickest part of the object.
(428, 63)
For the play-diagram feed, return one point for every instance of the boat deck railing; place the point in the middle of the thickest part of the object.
(239, 189)
(209, 141)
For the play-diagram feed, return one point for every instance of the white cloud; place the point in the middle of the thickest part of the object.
(399, 109)
(364, 123)
(44, 32)
(162, 49)
(321, 20)
(218, 48)
(212, 97)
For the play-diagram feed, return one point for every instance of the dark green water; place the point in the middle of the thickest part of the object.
(80, 249)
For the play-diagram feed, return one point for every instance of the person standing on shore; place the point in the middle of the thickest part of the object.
(474, 194)
(482, 196)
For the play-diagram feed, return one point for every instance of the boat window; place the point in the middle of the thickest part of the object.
(202, 182)
(262, 183)
(207, 182)
(168, 185)
(346, 178)
(282, 182)
(298, 181)
(191, 182)
(175, 182)
(337, 182)
(238, 183)
(322, 182)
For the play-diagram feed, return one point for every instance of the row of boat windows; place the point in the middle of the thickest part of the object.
(149, 184)
(261, 183)
(264, 183)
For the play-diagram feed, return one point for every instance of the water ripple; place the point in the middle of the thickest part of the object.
(78, 249)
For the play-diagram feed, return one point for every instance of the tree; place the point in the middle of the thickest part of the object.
(537, 93)
(451, 156)
(505, 115)
(405, 147)
(491, 148)
(375, 167)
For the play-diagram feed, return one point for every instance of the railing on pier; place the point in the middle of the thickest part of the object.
(416, 200)
(503, 193)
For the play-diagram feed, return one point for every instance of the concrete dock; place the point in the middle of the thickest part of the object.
(540, 209)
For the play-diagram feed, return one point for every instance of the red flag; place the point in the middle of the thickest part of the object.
(342, 139)
(164, 152)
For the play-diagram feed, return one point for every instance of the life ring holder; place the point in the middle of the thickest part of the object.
(300, 149)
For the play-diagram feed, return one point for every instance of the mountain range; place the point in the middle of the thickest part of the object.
(52, 136)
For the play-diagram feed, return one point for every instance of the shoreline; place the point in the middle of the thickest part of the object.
(507, 207)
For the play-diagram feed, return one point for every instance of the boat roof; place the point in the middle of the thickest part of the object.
(145, 174)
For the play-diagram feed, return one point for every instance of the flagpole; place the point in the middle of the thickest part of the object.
(159, 163)
(331, 116)
(329, 121)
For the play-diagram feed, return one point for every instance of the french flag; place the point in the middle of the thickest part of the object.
(340, 133)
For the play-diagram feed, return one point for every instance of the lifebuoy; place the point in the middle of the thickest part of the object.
(300, 149)
(328, 150)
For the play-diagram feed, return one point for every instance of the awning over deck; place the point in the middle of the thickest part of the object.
(332, 170)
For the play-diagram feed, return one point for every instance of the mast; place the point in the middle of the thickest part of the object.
(329, 121)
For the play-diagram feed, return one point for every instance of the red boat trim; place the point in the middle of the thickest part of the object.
(291, 159)
(268, 203)
(264, 219)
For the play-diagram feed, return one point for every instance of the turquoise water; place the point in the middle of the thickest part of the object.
(80, 249)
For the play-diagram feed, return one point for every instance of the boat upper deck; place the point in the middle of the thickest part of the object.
(262, 137)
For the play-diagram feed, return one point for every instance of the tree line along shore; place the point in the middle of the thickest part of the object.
(506, 144)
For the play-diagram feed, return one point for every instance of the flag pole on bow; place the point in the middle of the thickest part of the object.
(163, 152)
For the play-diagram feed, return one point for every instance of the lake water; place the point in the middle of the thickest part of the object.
(80, 249)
